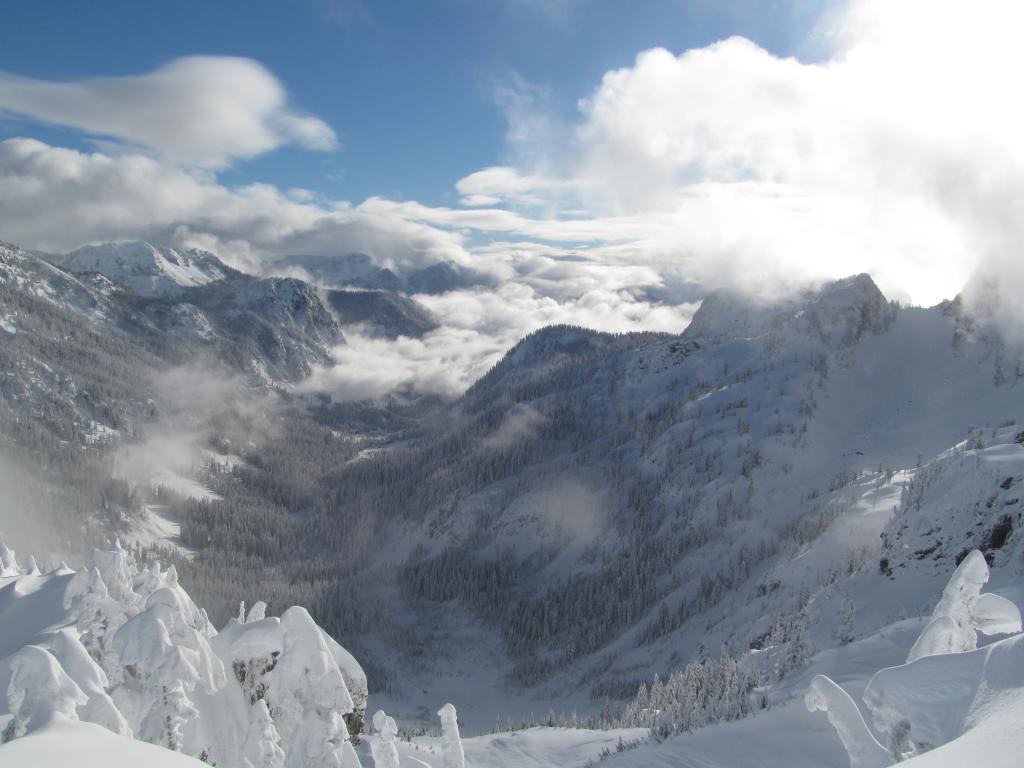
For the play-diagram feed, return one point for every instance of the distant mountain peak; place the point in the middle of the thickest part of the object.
(839, 311)
(145, 268)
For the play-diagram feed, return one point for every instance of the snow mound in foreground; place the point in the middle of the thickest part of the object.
(63, 743)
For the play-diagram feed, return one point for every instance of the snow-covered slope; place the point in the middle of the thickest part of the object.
(145, 268)
(64, 743)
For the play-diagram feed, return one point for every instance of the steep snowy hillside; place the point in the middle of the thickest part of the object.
(275, 329)
(144, 268)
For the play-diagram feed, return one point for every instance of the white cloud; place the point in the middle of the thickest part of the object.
(520, 423)
(101, 197)
(56, 199)
(477, 329)
(900, 155)
(198, 110)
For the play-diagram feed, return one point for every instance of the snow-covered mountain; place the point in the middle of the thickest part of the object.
(631, 502)
(175, 305)
(778, 488)
(271, 329)
(145, 268)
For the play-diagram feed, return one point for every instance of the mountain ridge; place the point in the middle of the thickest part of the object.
(145, 268)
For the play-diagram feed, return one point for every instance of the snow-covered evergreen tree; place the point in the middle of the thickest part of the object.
(262, 742)
(89, 676)
(99, 616)
(309, 697)
(118, 568)
(165, 721)
(165, 658)
(844, 632)
(385, 752)
(38, 691)
(257, 612)
(8, 561)
(451, 742)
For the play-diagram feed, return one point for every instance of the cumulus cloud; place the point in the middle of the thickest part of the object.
(56, 199)
(199, 110)
(899, 154)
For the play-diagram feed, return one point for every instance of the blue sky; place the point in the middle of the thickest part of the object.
(409, 87)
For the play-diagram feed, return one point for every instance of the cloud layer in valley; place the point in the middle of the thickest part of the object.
(897, 153)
